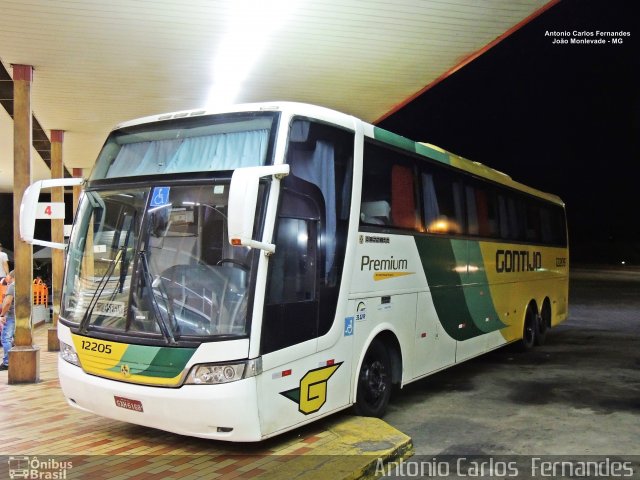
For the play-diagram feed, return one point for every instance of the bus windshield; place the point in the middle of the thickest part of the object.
(199, 144)
(155, 262)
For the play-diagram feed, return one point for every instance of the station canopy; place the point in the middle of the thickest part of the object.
(99, 63)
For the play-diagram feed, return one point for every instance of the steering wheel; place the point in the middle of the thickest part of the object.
(237, 263)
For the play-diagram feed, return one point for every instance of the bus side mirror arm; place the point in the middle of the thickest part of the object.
(243, 197)
(29, 209)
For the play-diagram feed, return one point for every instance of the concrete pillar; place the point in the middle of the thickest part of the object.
(24, 358)
(57, 235)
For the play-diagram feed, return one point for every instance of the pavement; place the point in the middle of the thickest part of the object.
(42, 436)
(579, 394)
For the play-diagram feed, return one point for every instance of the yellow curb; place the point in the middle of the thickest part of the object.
(359, 446)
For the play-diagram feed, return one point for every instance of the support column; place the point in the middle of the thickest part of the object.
(57, 235)
(24, 357)
(77, 173)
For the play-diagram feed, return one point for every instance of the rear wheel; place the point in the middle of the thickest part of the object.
(374, 381)
(543, 324)
(529, 330)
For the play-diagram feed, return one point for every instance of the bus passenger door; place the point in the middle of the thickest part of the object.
(299, 382)
(294, 383)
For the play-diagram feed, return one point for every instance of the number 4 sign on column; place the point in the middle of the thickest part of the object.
(50, 210)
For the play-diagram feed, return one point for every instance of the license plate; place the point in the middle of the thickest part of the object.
(127, 403)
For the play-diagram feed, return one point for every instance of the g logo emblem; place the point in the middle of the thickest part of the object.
(312, 393)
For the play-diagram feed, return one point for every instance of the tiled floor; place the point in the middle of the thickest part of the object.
(37, 426)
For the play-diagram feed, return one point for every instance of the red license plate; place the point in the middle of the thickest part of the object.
(122, 402)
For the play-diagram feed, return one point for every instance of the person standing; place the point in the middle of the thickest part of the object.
(4, 263)
(8, 319)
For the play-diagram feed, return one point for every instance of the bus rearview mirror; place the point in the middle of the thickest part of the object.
(30, 209)
(243, 197)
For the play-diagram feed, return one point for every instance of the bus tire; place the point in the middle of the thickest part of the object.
(543, 323)
(529, 330)
(374, 381)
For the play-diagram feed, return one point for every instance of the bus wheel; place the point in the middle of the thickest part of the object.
(529, 331)
(543, 323)
(374, 381)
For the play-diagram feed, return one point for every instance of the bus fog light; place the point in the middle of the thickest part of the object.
(68, 354)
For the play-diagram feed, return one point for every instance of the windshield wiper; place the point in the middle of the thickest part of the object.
(164, 328)
(99, 289)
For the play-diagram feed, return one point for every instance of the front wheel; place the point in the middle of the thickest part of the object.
(374, 382)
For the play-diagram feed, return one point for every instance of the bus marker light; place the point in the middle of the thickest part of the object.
(236, 242)
(462, 325)
(423, 335)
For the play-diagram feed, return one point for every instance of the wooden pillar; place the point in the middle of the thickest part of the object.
(57, 235)
(77, 172)
(24, 358)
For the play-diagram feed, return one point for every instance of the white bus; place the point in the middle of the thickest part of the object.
(239, 273)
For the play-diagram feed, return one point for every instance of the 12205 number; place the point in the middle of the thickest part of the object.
(96, 347)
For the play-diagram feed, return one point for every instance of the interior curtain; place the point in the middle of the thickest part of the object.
(225, 151)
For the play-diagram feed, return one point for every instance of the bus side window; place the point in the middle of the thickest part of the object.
(375, 206)
(291, 303)
(514, 211)
(388, 189)
(486, 211)
(546, 226)
(403, 198)
(293, 276)
(473, 227)
(510, 217)
(533, 226)
(442, 198)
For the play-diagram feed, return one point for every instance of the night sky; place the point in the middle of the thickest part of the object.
(563, 118)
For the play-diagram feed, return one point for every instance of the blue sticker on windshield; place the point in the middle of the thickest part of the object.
(160, 196)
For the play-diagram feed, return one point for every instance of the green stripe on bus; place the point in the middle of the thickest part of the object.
(169, 362)
(427, 151)
(137, 357)
(394, 139)
(162, 362)
(406, 144)
(462, 299)
(439, 262)
(478, 294)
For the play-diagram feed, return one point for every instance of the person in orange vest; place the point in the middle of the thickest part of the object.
(8, 319)
(4, 263)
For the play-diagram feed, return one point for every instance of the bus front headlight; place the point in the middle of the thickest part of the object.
(212, 374)
(68, 354)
